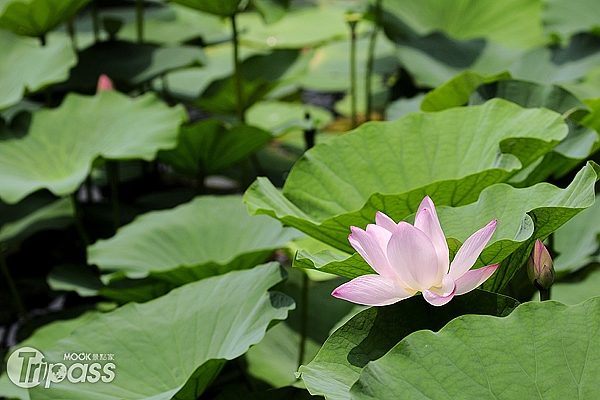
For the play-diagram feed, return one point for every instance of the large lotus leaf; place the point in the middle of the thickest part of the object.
(561, 65)
(329, 68)
(279, 117)
(29, 66)
(578, 290)
(275, 359)
(327, 24)
(468, 19)
(224, 8)
(260, 74)
(188, 84)
(457, 91)
(208, 147)
(435, 152)
(566, 18)
(216, 319)
(577, 241)
(207, 236)
(523, 216)
(36, 17)
(577, 146)
(373, 332)
(129, 64)
(435, 58)
(171, 24)
(541, 350)
(33, 214)
(58, 152)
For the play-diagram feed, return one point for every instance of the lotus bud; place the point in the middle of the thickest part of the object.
(104, 83)
(539, 267)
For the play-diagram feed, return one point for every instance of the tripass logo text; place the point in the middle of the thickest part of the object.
(27, 367)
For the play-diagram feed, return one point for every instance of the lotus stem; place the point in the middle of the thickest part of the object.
(95, 21)
(140, 20)
(237, 72)
(77, 220)
(544, 294)
(353, 123)
(11, 284)
(112, 171)
(71, 31)
(303, 317)
(309, 134)
(371, 61)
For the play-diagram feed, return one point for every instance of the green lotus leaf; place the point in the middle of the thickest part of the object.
(292, 31)
(280, 117)
(371, 333)
(225, 8)
(190, 83)
(579, 289)
(275, 359)
(523, 216)
(577, 241)
(324, 195)
(560, 65)
(329, 68)
(466, 19)
(33, 214)
(208, 147)
(260, 74)
(580, 143)
(541, 350)
(58, 152)
(565, 18)
(209, 235)
(217, 319)
(28, 66)
(129, 64)
(37, 17)
(457, 91)
(171, 24)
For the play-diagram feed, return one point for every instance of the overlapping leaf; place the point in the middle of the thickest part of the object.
(373, 332)
(58, 152)
(207, 236)
(28, 66)
(208, 147)
(392, 166)
(541, 350)
(36, 17)
(523, 216)
(468, 19)
(216, 319)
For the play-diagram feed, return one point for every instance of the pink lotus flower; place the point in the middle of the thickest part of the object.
(410, 259)
(104, 83)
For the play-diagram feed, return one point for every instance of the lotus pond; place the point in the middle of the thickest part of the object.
(287, 199)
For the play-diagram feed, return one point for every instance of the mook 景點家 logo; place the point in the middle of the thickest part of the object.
(27, 367)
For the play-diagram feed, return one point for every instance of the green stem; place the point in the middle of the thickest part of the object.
(309, 134)
(11, 285)
(95, 21)
(112, 170)
(353, 75)
(71, 31)
(371, 60)
(77, 221)
(43, 39)
(303, 317)
(237, 73)
(140, 20)
(544, 294)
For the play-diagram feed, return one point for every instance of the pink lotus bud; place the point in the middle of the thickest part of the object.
(104, 83)
(539, 267)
